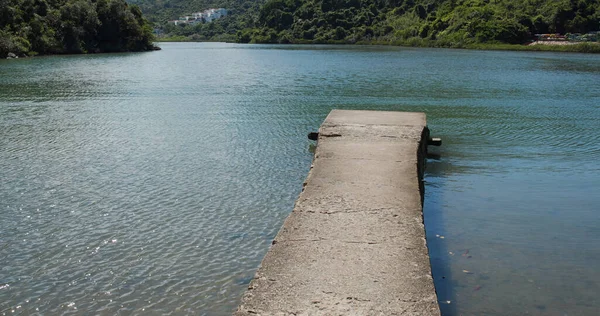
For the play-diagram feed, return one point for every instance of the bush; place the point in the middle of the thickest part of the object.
(10, 43)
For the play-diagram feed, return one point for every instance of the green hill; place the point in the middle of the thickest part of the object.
(30, 27)
(452, 23)
(80, 26)
(241, 15)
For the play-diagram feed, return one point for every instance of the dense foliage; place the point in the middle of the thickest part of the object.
(29, 27)
(241, 15)
(443, 22)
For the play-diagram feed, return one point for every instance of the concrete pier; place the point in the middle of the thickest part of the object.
(355, 241)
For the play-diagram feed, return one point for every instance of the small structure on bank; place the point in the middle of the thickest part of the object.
(205, 16)
(574, 37)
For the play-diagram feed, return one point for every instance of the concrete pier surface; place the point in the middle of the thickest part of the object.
(355, 242)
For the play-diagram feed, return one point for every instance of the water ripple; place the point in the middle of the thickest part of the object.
(154, 183)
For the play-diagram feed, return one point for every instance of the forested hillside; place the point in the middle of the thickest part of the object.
(164, 10)
(441, 22)
(30, 27)
(241, 15)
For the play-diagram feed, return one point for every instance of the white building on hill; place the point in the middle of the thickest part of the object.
(201, 17)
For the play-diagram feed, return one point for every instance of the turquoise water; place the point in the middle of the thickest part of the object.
(154, 182)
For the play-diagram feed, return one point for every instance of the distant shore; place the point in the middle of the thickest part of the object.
(546, 46)
(11, 55)
(555, 43)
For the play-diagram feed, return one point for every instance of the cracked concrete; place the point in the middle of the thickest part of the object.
(355, 241)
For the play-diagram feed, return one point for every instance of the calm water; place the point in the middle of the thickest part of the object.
(153, 183)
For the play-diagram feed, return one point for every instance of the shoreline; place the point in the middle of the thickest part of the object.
(562, 43)
(536, 46)
(23, 56)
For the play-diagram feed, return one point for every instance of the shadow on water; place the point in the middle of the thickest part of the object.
(435, 232)
(433, 157)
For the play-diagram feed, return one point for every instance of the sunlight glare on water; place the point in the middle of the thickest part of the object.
(155, 182)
